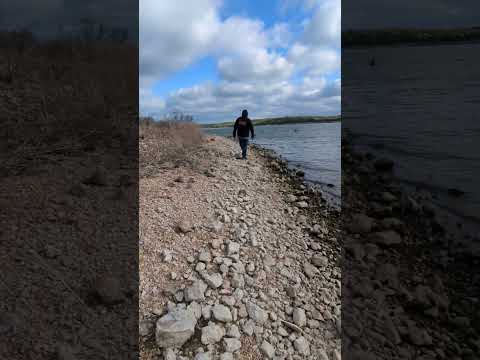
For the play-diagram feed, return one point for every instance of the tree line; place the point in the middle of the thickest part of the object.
(176, 116)
(394, 36)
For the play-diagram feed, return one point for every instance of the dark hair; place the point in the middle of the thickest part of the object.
(244, 113)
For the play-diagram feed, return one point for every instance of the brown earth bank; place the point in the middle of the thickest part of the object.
(68, 201)
(238, 259)
(410, 290)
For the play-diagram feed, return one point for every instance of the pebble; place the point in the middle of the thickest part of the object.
(196, 291)
(169, 354)
(226, 356)
(203, 356)
(302, 346)
(256, 313)
(216, 243)
(232, 345)
(267, 349)
(212, 334)
(302, 204)
(205, 256)
(214, 280)
(108, 290)
(233, 248)
(388, 237)
(184, 227)
(248, 327)
(233, 331)
(299, 317)
(309, 270)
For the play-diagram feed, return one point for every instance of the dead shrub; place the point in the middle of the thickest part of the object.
(68, 97)
(167, 142)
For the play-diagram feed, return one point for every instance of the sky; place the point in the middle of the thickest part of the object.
(211, 58)
(371, 14)
(45, 17)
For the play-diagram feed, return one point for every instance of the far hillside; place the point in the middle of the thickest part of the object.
(376, 37)
(280, 121)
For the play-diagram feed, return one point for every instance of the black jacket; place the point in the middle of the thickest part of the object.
(243, 126)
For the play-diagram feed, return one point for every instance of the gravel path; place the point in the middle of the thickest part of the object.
(236, 262)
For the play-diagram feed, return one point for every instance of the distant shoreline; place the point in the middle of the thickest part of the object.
(279, 121)
(392, 37)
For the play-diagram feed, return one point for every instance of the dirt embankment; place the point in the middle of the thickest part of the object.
(237, 259)
(68, 205)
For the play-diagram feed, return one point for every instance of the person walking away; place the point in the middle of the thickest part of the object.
(243, 126)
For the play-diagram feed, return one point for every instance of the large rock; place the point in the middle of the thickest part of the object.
(232, 345)
(309, 270)
(267, 349)
(205, 256)
(175, 328)
(360, 224)
(212, 334)
(221, 313)
(302, 204)
(184, 227)
(302, 346)
(145, 327)
(233, 248)
(203, 356)
(299, 317)
(256, 313)
(226, 356)
(196, 291)
(108, 290)
(319, 260)
(387, 238)
(214, 280)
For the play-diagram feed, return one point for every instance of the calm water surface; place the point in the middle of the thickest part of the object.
(314, 148)
(419, 106)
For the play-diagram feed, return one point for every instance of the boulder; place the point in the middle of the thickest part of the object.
(388, 237)
(267, 349)
(221, 313)
(196, 291)
(212, 334)
(256, 313)
(175, 328)
(360, 224)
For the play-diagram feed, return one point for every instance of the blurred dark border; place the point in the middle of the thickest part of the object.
(69, 179)
(410, 284)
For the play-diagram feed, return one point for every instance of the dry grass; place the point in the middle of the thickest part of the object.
(68, 110)
(167, 144)
(66, 96)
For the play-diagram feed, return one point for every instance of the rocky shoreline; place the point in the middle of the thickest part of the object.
(407, 288)
(261, 279)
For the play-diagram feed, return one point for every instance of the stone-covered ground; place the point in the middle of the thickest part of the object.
(238, 260)
(410, 287)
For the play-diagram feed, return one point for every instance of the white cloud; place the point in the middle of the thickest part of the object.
(324, 28)
(150, 104)
(315, 60)
(256, 64)
(224, 101)
(173, 34)
(244, 50)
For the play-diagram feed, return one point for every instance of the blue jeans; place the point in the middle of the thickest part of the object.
(244, 145)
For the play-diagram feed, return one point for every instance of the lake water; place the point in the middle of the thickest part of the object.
(313, 147)
(419, 106)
